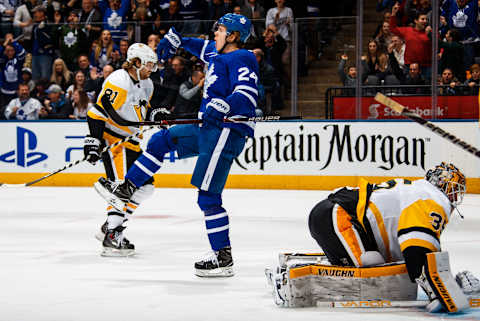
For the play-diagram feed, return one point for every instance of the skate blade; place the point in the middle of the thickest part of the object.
(109, 252)
(106, 195)
(219, 272)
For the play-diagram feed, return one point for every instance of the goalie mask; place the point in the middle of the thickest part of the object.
(450, 180)
(148, 58)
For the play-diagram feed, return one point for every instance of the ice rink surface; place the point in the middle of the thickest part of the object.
(51, 268)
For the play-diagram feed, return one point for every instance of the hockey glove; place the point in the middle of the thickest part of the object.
(168, 45)
(159, 114)
(91, 149)
(468, 282)
(216, 111)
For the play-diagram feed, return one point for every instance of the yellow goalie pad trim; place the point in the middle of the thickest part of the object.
(438, 283)
(347, 272)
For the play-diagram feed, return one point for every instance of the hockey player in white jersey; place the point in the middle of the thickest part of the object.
(230, 90)
(398, 220)
(129, 91)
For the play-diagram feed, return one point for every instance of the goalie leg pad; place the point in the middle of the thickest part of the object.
(439, 283)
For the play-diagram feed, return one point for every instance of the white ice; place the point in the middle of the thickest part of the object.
(50, 267)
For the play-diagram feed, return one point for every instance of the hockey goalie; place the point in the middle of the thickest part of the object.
(380, 241)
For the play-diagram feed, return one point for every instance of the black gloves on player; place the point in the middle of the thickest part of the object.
(91, 149)
(159, 114)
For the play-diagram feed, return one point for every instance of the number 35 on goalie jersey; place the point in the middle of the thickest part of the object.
(405, 213)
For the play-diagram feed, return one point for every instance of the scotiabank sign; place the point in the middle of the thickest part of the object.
(449, 107)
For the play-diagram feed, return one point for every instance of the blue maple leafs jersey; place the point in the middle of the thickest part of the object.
(232, 77)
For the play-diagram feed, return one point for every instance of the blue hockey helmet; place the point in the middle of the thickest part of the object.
(235, 22)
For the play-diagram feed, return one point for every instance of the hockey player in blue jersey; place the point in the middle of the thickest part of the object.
(230, 90)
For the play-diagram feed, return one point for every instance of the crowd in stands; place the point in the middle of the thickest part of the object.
(400, 50)
(55, 55)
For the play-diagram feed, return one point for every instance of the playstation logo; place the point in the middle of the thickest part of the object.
(26, 143)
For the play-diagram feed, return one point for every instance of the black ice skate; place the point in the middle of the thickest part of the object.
(116, 194)
(103, 230)
(115, 244)
(219, 264)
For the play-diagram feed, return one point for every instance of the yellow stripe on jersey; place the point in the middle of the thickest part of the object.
(418, 243)
(382, 229)
(362, 200)
(95, 114)
(118, 95)
(423, 213)
(112, 139)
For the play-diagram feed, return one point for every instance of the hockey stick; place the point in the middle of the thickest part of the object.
(107, 105)
(74, 163)
(381, 98)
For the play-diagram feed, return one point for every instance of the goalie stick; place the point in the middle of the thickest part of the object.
(107, 106)
(381, 98)
(74, 163)
(385, 304)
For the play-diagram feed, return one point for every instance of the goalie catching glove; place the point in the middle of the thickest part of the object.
(91, 149)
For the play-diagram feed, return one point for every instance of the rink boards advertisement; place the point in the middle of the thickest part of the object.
(282, 155)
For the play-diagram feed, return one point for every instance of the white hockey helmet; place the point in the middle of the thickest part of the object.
(145, 54)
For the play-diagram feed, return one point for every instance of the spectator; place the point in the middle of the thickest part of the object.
(122, 54)
(24, 107)
(269, 88)
(190, 94)
(78, 83)
(451, 54)
(40, 91)
(90, 18)
(386, 18)
(71, 40)
(94, 84)
(238, 10)
(7, 11)
(81, 104)
(414, 7)
(104, 51)
(12, 56)
(146, 27)
(474, 81)
(175, 75)
(254, 11)
(56, 105)
(114, 17)
(42, 51)
(83, 64)
(448, 84)
(399, 52)
(27, 78)
(215, 10)
(23, 19)
(153, 41)
(463, 15)
(418, 44)
(282, 17)
(374, 64)
(384, 37)
(191, 11)
(414, 78)
(348, 76)
(171, 18)
(61, 75)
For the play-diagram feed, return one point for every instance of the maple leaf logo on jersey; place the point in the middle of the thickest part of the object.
(243, 20)
(186, 3)
(70, 39)
(114, 20)
(210, 78)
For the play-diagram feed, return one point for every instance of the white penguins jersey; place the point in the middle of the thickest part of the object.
(130, 98)
(404, 213)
